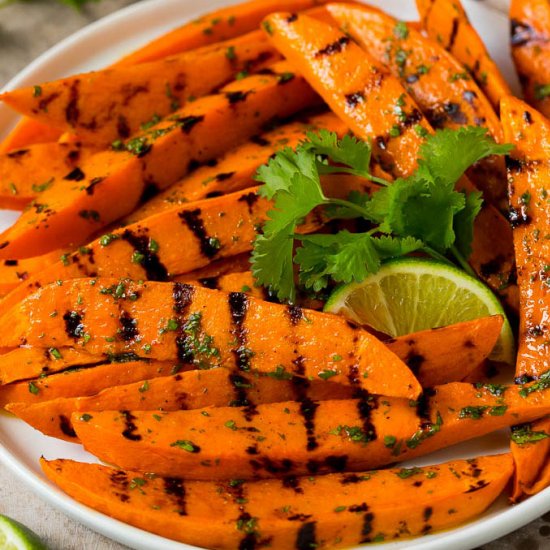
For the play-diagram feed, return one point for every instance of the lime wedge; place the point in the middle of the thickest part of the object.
(15, 536)
(413, 294)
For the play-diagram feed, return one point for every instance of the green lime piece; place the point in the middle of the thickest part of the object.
(15, 536)
(413, 294)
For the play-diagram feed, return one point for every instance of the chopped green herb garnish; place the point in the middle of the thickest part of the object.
(186, 445)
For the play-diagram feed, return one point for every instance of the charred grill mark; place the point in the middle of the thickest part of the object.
(295, 314)
(527, 117)
(73, 324)
(72, 113)
(414, 361)
(292, 482)
(11, 263)
(307, 410)
(128, 331)
(150, 261)
(17, 154)
(250, 199)
(333, 48)
(224, 176)
(122, 127)
(283, 466)
(93, 183)
(237, 97)
(454, 33)
(352, 100)
(192, 218)
(213, 194)
(252, 450)
(365, 405)
(130, 428)
(238, 307)
(478, 486)
(240, 385)
(518, 217)
(174, 486)
(75, 175)
(366, 530)
(307, 537)
(187, 123)
(210, 282)
(182, 296)
(45, 102)
(129, 91)
(259, 140)
(521, 33)
(65, 426)
(454, 112)
(150, 190)
(293, 17)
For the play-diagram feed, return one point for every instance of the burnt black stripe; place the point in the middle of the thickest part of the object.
(174, 486)
(366, 530)
(236, 97)
(73, 324)
(454, 32)
(210, 282)
(335, 47)
(130, 428)
(182, 296)
(153, 267)
(128, 330)
(365, 405)
(250, 199)
(72, 113)
(352, 100)
(259, 140)
(241, 385)
(295, 314)
(224, 176)
(307, 410)
(193, 220)
(188, 123)
(93, 183)
(75, 175)
(307, 537)
(238, 307)
(65, 426)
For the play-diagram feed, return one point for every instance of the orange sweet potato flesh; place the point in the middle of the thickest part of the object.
(82, 381)
(235, 170)
(207, 230)
(529, 173)
(317, 437)
(111, 183)
(446, 22)
(532, 467)
(220, 387)
(437, 82)
(204, 327)
(530, 41)
(103, 106)
(193, 389)
(215, 515)
(28, 132)
(213, 27)
(25, 174)
(365, 98)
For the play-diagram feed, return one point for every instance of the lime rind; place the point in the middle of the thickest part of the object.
(413, 294)
(15, 536)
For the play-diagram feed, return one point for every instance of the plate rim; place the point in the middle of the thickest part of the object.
(465, 536)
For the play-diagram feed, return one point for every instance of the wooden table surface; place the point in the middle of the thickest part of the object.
(26, 30)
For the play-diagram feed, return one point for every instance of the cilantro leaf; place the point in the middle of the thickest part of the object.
(349, 151)
(345, 257)
(463, 223)
(447, 154)
(393, 247)
(271, 263)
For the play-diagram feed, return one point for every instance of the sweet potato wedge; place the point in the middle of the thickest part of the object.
(438, 83)
(530, 454)
(235, 170)
(83, 380)
(446, 22)
(306, 437)
(193, 389)
(103, 106)
(25, 174)
(152, 249)
(111, 183)
(295, 513)
(28, 132)
(222, 24)
(204, 328)
(530, 41)
(365, 98)
(528, 172)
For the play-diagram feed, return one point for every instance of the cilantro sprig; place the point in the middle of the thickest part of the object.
(423, 212)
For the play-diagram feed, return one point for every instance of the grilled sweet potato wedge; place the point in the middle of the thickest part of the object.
(305, 437)
(296, 512)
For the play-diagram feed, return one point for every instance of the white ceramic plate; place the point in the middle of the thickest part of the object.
(21, 446)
